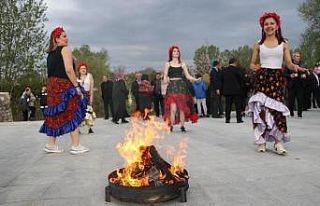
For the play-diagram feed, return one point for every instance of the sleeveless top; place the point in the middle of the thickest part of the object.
(271, 57)
(175, 72)
(55, 64)
(85, 83)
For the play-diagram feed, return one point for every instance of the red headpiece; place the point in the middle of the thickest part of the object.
(171, 50)
(57, 31)
(82, 64)
(268, 15)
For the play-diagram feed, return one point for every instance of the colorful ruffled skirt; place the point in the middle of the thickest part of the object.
(66, 110)
(178, 93)
(267, 107)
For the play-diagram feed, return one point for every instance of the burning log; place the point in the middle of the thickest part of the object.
(153, 168)
(146, 176)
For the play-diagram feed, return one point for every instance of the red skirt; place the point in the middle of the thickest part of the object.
(66, 110)
(178, 93)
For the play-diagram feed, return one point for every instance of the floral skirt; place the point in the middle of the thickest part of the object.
(267, 107)
(66, 110)
(90, 114)
(178, 93)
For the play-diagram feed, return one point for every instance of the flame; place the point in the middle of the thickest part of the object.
(178, 157)
(133, 150)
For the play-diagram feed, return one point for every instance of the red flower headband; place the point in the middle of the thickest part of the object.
(268, 15)
(82, 64)
(57, 31)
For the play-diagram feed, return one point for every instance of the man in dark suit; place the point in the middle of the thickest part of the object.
(215, 89)
(232, 88)
(315, 86)
(296, 85)
(135, 89)
(158, 98)
(106, 92)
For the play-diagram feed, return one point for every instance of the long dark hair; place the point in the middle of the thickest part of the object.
(52, 44)
(278, 35)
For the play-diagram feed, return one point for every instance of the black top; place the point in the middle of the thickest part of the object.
(106, 90)
(55, 64)
(135, 89)
(215, 76)
(296, 81)
(232, 81)
(175, 72)
(43, 99)
(157, 86)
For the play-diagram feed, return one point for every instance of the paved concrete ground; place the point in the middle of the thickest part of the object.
(224, 166)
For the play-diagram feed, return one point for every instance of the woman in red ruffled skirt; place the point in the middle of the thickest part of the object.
(179, 104)
(66, 102)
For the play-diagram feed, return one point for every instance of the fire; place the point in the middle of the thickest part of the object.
(178, 157)
(143, 165)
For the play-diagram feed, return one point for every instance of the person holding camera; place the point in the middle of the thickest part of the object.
(26, 104)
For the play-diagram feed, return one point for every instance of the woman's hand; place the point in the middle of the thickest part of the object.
(301, 69)
(256, 67)
(79, 93)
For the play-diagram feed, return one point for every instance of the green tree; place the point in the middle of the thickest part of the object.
(310, 45)
(22, 40)
(98, 66)
(203, 56)
(206, 54)
(242, 54)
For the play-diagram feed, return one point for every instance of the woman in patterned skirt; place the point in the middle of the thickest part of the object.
(66, 103)
(178, 101)
(267, 104)
(86, 81)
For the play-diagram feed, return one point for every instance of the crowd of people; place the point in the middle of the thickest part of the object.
(269, 91)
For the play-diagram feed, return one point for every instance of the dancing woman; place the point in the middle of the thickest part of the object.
(178, 101)
(66, 104)
(267, 104)
(86, 81)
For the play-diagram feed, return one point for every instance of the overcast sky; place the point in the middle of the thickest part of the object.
(138, 33)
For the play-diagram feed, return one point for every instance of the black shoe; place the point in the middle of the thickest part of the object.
(114, 121)
(183, 129)
(217, 116)
(300, 115)
(124, 121)
(106, 118)
(240, 121)
(227, 121)
(171, 128)
(90, 131)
